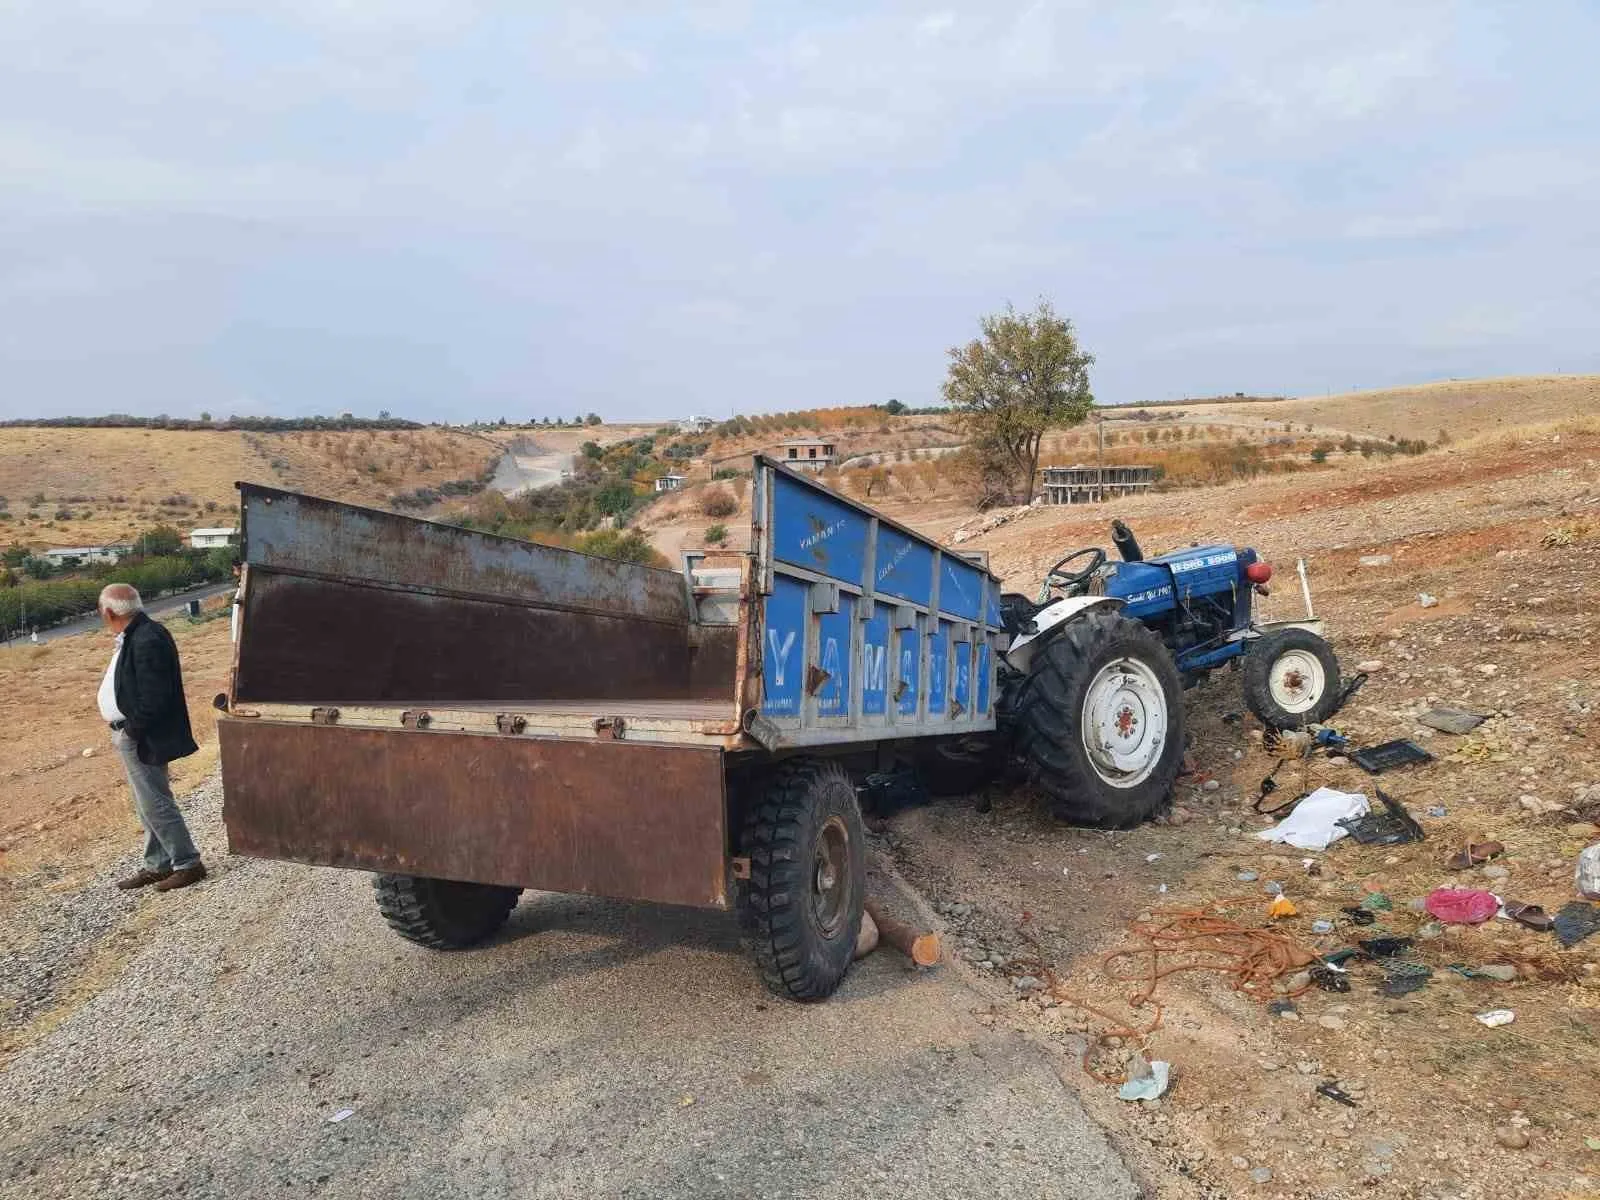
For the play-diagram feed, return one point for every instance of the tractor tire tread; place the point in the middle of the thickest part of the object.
(1049, 714)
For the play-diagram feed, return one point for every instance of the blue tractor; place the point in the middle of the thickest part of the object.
(1094, 674)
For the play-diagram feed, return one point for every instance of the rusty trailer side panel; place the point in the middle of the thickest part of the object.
(605, 818)
(346, 603)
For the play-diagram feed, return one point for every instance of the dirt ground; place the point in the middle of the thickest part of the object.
(1444, 1106)
(1505, 533)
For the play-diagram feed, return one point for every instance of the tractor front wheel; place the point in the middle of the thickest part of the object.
(1099, 721)
(1291, 679)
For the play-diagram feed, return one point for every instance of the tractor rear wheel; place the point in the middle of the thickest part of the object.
(808, 878)
(442, 913)
(1291, 679)
(1099, 722)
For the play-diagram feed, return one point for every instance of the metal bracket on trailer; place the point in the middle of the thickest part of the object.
(324, 716)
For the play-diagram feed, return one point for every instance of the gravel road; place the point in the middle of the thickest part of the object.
(597, 1049)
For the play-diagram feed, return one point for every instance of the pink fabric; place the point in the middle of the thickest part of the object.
(1462, 906)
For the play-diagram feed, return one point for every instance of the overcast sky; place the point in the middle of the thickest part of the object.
(454, 210)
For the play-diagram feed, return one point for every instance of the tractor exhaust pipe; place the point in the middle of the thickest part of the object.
(1305, 588)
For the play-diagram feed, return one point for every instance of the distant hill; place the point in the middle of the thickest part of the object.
(81, 486)
(1462, 408)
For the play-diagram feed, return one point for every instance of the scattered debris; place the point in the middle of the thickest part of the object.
(1359, 916)
(1393, 827)
(1438, 810)
(1282, 906)
(1531, 915)
(344, 1114)
(1247, 877)
(1376, 902)
(1314, 823)
(1424, 600)
(1403, 978)
(1462, 906)
(1587, 874)
(1402, 752)
(1451, 720)
(1322, 925)
(1278, 1007)
(1500, 972)
(1146, 1080)
(1496, 1017)
(1375, 560)
(1331, 1089)
(1330, 979)
(1576, 921)
(1475, 855)
(1385, 947)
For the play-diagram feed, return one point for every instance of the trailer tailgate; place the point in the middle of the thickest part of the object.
(609, 818)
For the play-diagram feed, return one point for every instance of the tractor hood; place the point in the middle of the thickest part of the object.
(1156, 584)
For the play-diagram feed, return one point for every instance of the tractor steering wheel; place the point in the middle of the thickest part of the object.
(1056, 577)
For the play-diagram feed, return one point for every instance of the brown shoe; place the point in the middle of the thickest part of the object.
(143, 878)
(183, 878)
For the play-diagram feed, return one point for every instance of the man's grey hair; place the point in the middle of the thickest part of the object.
(120, 599)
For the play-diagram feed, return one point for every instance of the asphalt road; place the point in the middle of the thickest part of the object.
(596, 1050)
(156, 608)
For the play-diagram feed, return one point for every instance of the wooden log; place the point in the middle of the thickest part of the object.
(921, 948)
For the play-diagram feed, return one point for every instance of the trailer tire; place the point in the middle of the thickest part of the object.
(1291, 679)
(802, 905)
(1102, 667)
(442, 913)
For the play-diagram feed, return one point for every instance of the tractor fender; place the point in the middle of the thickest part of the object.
(1019, 655)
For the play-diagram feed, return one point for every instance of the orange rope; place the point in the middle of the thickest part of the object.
(1199, 939)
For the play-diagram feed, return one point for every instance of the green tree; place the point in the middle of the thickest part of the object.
(158, 541)
(629, 545)
(592, 419)
(894, 408)
(206, 417)
(1024, 376)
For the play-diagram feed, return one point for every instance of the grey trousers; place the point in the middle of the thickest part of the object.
(167, 844)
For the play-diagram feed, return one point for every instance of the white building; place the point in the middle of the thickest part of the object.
(695, 424)
(809, 454)
(204, 539)
(669, 483)
(63, 555)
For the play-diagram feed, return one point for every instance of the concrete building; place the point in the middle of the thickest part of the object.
(1078, 484)
(204, 539)
(82, 555)
(695, 424)
(807, 454)
(669, 483)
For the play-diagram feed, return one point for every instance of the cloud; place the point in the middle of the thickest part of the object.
(460, 203)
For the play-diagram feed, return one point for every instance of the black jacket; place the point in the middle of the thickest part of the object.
(149, 689)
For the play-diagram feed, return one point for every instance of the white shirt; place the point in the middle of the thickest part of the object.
(108, 687)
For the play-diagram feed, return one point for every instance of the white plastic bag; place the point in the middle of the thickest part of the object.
(1311, 826)
(1587, 876)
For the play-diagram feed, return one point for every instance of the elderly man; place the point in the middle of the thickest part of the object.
(141, 698)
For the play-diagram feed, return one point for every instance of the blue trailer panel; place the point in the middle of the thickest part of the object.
(869, 630)
(814, 529)
(905, 567)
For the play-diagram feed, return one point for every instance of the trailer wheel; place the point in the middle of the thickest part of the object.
(1099, 722)
(807, 878)
(442, 913)
(1291, 679)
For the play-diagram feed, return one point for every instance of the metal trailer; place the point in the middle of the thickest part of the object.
(470, 715)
